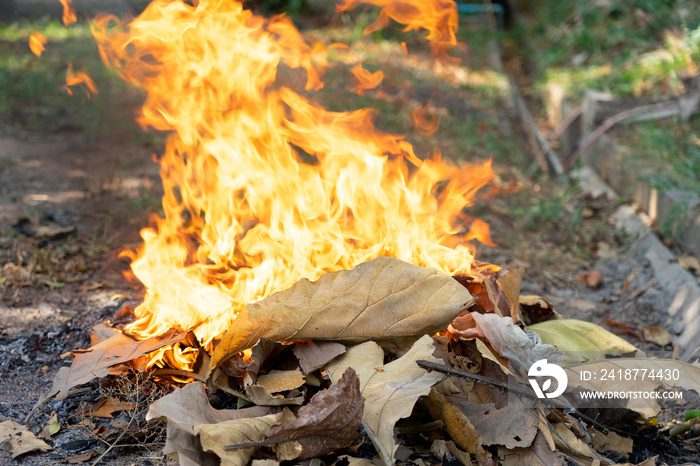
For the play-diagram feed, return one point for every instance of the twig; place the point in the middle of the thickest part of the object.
(659, 110)
(263, 443)
(435, 425)
(179, 373)
(431, 366)
(111, 447)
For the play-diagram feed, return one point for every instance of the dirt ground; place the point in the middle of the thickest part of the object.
(85, 202)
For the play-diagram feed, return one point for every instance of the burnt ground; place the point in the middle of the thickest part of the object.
(92, 198)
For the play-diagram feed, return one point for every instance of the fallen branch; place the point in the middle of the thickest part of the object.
(645, 112)
(431, 366)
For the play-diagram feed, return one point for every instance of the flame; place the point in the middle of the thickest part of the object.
(365, 79)
(262, 186)
(68, 12)
(438, 17)
(36, 43)
(79, 79)
(425, 120)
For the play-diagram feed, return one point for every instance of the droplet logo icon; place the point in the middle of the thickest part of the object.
(544, 369)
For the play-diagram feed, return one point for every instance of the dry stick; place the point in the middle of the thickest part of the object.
(660, 110)
(559, 131)
(431, 366)
(263, 443)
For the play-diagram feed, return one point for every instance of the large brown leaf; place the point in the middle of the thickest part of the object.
(384, 298)
(328, 423)
(96, 361)
(188, 407)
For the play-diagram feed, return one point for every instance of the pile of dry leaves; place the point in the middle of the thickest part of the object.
(420, 364)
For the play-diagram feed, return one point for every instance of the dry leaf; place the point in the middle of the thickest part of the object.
(510, 283)
(512, 426)
(281, 381)
(535, 309)
(567, 441)
(511, 342)
(657, 335)
(215, 436)
(97, 361)
(104, 408)
(458, 426)
(329, 421)
(582, 341)
(593, 279)
(381, 299)
(611, 442)
(18, 439)
(539, 454)
(313, 355)
(689, 263)
(51, 427)
(262, 397)
(187, 407)
(81, 458)
(390, 392)
(688, 378)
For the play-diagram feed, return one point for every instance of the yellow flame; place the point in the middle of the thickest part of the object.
(68, 12)
(36, 43)
(79, 79)
(262, 186)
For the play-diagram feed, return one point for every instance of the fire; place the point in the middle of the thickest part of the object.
(68, 12)
(36, 43)
(262, 186)
(79, 79)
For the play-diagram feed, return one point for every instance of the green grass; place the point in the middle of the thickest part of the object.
(671, 150)
(630, 47)
(32, 90)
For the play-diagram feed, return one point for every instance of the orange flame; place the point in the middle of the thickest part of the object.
(262, 186)
(438, 17)
(79, 79)
(36, 43)
(425, 120)
(68, 13)
(365, 79)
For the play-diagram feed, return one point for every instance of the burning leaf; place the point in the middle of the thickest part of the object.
(18, 439)
(36, 43)
(329, 422)
(215, 437)
(381, 299)
(390, 390)
(582, 341)
(96, 362)
(263, 187)
(313, 355)
(186, 408)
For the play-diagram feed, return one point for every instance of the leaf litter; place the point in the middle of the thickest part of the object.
(349, 344)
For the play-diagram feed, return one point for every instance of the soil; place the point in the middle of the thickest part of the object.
(55, 288)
